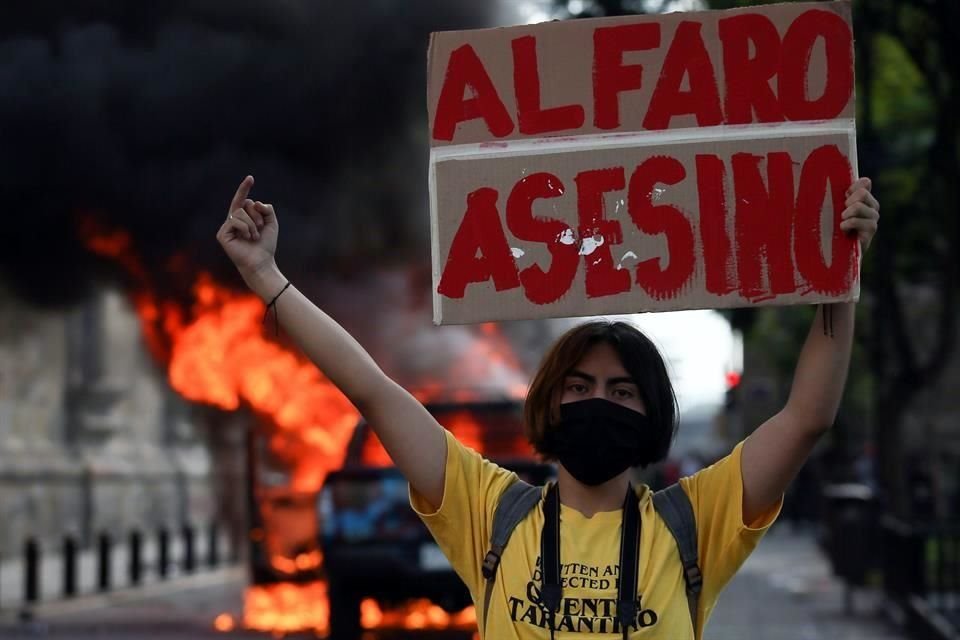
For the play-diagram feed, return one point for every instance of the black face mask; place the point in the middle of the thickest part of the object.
(597, 440)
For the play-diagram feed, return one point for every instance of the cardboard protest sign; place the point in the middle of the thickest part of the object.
(691, 160)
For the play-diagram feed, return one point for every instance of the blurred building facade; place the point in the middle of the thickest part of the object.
(92, 438)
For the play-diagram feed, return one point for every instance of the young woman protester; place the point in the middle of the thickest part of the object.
(596, 556)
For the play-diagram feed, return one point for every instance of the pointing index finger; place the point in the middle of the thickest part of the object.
(241, 195)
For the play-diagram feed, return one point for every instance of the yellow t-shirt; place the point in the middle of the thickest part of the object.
(589, 553)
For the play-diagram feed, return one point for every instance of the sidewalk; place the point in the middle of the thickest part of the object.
(179, 609)
(786, 591)
(51, 572)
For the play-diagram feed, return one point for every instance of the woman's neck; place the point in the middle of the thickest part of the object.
(592, 500)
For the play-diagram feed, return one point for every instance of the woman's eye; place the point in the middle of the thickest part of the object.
(576, 387)
(623, 393)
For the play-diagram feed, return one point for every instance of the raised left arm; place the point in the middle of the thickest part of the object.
(774, 453)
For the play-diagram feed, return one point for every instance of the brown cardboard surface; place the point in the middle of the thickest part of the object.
(566, 65)
(475, 162)
(481, 301)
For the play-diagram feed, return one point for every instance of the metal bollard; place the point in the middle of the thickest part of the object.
(69, 567)
(163, 552)
(136, 559)
(103, 557)
(213, 548)
(189, 550)
(31, 571)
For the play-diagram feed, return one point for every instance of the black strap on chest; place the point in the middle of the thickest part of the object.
(551, 591)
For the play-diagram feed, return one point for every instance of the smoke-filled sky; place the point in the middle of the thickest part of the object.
(147, 115)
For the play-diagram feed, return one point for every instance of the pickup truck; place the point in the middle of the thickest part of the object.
(374, 545)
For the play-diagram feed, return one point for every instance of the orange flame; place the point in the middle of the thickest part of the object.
(416, 614)
(223, 358)
(461, 424)
(216, 353)
(288, 607)
(302, 562)
(224, 622)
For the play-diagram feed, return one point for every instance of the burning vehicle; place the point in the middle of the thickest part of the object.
(335, 547)
(354, 555)
(374, 544)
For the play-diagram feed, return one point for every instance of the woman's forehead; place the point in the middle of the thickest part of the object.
(601, 358)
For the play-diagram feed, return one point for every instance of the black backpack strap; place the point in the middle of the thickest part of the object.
(629, 558)
(674, 507)
(551, 590)
(516, 502)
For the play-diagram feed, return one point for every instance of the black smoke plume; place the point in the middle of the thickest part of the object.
(145, 116)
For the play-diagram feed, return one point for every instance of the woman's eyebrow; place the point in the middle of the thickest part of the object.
(576, 373)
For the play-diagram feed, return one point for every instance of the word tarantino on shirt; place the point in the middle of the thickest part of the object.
(580, 614)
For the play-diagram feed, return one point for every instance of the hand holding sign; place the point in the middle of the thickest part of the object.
(862, 213)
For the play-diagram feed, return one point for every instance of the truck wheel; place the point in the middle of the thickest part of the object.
(344, 613)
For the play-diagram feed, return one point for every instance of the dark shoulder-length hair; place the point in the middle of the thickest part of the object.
(639, 356)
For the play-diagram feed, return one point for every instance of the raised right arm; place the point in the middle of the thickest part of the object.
(413, 438)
